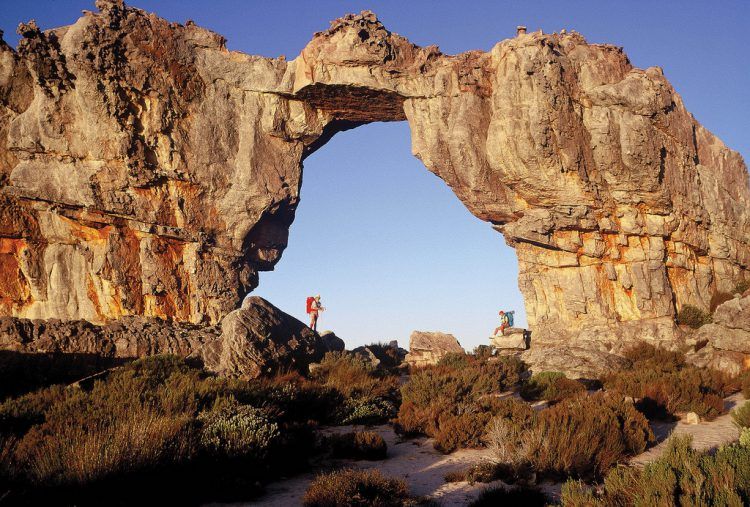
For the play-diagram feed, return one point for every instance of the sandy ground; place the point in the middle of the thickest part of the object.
(424, 468)
(707, 435)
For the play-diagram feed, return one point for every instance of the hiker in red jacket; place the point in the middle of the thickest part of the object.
(313, 308)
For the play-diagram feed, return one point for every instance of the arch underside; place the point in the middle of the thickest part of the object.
(161, 184)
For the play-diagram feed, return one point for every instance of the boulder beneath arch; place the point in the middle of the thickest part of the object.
(145, 170)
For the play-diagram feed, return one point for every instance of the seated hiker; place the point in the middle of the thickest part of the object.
(313, 309)
(506, 321)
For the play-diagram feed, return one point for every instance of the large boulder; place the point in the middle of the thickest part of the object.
(332, 342)
(513, 338)
(574, 362)
(259, 339)
(427, 347)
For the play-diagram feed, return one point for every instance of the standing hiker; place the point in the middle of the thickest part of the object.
(313, 308)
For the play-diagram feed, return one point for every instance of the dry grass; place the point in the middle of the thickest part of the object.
(349, 487)
(357, 445)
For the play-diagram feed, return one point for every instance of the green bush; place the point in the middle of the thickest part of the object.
(451, 401)
(741, 415)
(692, 316)
(552, 386)
(231, 430)
(349, 487)
(370, 396)
(681, 476)
(665, 385)
(357, 445)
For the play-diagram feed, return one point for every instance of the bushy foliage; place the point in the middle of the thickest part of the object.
(451, 401)
(232, 430)
(665, 385)
(582, 436)
(151, 427)
(741, 415)
(692, 316)
(349, 487)
(357, 445)
(370, 395)
(552, 386)
(681, 476)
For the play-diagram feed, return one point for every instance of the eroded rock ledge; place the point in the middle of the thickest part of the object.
(147, 170)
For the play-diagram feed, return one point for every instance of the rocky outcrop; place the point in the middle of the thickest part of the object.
(724, 344)
(259, 339)
(332, 342)
(513, 338)
(575, 362)
(147, 170)
(427, 347)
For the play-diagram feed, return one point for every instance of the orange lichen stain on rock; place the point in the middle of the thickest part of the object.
(87, 233)
(93, 296)
(14, 289)
(746, 362)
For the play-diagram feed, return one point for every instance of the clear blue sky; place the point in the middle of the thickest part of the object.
(384, 241)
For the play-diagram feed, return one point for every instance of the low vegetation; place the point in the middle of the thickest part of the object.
(583, 436)
(369, 395)
(160, 423)
(552, 386)
(528, 496)
(664, 385)
(349, 487)
(357, 445)
(693, 317)
(682, 476)
(741, 415)
(453, 400)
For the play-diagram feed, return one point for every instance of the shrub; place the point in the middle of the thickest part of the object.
(231, 430)
(158, 421)
(370, 395)
(552, 386)
(355, 488)
(483, 351)
(681, 476)
(692, 316)
(582, 436)
(741, 415)
(665, 385)
(526, 496)
(357, 445)
(451, 401)
(745, 437)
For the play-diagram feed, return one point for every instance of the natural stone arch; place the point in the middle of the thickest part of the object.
(147, 170)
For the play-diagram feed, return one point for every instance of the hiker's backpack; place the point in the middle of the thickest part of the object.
(309, 304)
(510, 318)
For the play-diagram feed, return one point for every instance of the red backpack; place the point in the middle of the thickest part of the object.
(309, 304)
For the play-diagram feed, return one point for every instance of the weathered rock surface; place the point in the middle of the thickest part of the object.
(127, 338)
(147, 170)
(512, 338)
(259, 339)
(427, 347)
(575, 362)
(254, 340)
(332, 342)
(726, 341)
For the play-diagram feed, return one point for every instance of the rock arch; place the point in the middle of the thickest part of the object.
(145, 169)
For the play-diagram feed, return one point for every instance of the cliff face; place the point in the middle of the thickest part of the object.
(146, 170)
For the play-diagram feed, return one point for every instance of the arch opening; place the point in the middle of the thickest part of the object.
(390, 247)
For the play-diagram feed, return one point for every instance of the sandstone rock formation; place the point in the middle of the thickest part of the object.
(575, 362)
(427, 347)
(254, 340)
(724, 344)
(147, 170)
(259, 339)
(511, 338)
